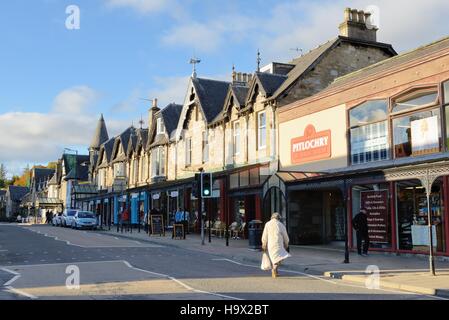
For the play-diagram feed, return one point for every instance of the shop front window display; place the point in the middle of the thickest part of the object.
(412, 219)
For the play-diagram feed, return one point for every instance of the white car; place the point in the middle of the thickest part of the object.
(67, 217)
(56, 221)
(84, 220)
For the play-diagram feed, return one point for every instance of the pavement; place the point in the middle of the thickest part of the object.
(379, 270)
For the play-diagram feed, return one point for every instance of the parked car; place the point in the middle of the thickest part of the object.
(84, 220)
(57, 219)
(67, 217)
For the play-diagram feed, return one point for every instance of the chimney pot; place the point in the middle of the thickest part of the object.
(348, 14)
(356, 26)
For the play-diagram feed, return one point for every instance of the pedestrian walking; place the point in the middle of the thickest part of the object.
(275, 242)
(360, 225)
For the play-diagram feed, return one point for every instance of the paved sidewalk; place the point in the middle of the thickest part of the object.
(408, 273)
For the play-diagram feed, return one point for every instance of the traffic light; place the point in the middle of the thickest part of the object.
(196, 186)
(206, 185)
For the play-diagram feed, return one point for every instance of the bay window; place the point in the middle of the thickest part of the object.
(369, 132)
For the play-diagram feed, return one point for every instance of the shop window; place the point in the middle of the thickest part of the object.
(375, 198)
(369, 132)
(415, 100)
(417, 134)
(412, 217)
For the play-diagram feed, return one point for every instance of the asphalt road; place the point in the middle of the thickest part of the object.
(42, 262)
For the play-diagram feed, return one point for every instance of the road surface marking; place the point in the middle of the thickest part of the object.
(181, 283)
(8, 287)
(333, 282)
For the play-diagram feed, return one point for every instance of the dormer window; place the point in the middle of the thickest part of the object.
(160, 128)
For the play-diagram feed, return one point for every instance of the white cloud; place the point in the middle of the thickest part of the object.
(169, 89)
(211, 35)
(75, 100)
(143, 6)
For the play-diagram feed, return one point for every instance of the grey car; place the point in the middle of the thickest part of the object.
(84, 220)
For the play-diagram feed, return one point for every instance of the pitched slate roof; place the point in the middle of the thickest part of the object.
(17, 193)
(124, 137)
(270, 82)
(42, 174)
(143, 137)
(108, 148)
(54, 180)
(390, 63)
(306, 62)
(170, 115)
(211, 95)
(101, 134)
(76, 171)
(240, 93)
(81, 173)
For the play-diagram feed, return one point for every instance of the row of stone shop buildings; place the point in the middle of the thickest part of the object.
(349, 124)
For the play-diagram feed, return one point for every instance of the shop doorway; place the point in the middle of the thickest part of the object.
(316, 217)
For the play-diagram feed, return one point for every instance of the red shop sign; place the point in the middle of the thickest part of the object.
(312, 146)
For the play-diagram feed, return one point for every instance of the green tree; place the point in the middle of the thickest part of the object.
(3, 178)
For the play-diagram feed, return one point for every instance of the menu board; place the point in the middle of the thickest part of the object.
(376, 204)
(157, 225)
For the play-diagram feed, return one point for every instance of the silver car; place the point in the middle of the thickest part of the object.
(67, 217)
(84, 220)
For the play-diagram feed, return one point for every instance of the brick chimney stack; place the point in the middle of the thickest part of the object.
(355, 26)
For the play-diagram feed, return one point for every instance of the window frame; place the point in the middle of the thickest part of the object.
(236, 134)
(409, 93)
(160, 127)
(188, 152)
(387, 127)
(205, 146)
(259, 128)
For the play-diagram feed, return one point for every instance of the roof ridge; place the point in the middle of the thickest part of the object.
(399, 56)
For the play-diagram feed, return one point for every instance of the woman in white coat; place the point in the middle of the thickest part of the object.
(275, 240)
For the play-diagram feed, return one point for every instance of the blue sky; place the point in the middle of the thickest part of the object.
(54, 82)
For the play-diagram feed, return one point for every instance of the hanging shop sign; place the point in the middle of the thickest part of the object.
(174, 194)
(376, 204)
(156, 196)
(425, 137)
(312, 146)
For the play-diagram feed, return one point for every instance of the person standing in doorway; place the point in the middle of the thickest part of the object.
(275, 242)
(360, 225)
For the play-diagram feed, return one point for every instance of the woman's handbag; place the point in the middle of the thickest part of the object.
(266, 262)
